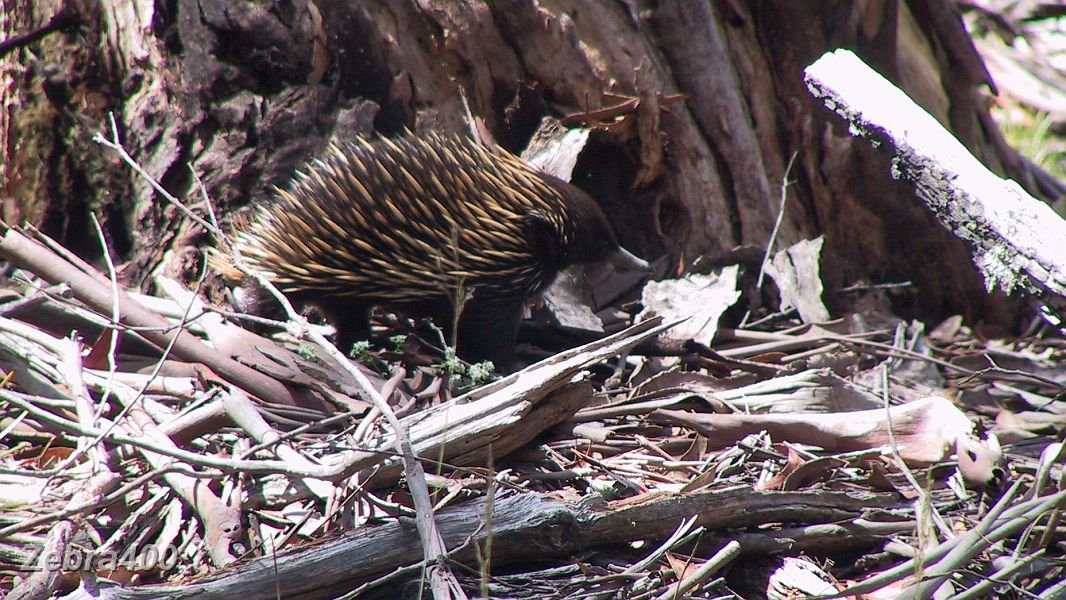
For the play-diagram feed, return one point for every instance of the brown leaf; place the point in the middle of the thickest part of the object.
(97, 356)
(681, 568)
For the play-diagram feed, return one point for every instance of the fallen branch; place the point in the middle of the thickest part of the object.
(1018, 242)
(527, 525)
(32, 256)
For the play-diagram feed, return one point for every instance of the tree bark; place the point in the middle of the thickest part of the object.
(243, 93)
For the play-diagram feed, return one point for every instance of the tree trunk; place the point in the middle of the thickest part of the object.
(705, 101)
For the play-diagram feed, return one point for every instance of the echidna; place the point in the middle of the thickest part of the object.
(406, 223)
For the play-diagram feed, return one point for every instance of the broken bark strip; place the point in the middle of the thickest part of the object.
(925, 431)
(528, 525)
(1017, 240)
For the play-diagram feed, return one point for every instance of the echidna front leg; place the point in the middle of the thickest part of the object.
(488, 330)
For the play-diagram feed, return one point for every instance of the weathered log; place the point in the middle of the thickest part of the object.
(529, 524)
(1017, 241)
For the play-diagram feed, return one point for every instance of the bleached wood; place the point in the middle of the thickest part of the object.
(1018, 242)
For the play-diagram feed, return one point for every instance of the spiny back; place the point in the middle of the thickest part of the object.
(409, 219)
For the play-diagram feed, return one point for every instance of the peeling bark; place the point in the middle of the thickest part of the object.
(245, 93)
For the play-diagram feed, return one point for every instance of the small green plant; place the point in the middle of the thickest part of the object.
(480, 372)
(450, 366)
(461, 375)
(360, 351)
(396, 342)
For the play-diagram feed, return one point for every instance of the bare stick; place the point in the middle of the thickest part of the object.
(727, 554)
(115, 316)
(777, 223)
(115, 144)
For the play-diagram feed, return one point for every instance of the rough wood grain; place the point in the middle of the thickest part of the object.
(528, 525)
